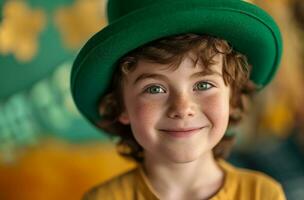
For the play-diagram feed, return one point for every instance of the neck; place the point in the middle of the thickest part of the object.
(202, 177)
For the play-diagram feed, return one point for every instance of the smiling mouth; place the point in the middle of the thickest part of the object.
(181, 133)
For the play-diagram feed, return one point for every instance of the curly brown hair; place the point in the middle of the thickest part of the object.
(171, 51)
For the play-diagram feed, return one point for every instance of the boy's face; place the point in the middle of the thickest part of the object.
(177, 115)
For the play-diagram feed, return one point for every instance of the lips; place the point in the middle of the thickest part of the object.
(181, 132)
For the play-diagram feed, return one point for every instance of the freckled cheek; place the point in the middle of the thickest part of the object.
(216, 107)
(144, 117)
(147, 111)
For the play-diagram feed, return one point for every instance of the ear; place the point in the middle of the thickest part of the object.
(101, 109)
(232, 110)
(124, 118)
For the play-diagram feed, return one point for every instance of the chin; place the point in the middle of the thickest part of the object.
(182, 159)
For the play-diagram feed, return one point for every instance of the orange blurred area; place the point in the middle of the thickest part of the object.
(58, 170)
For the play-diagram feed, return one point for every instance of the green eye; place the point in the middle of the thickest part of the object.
(203, 86)
(155, 89)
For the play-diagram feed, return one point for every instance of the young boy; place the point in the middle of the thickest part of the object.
(164, 77)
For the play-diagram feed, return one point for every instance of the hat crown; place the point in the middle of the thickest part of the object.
(119, 8)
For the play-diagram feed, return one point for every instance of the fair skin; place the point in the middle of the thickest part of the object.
(178, 116)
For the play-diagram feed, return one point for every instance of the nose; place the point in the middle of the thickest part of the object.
(181, 107)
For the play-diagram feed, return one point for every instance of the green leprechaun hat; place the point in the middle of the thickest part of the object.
(134, 23)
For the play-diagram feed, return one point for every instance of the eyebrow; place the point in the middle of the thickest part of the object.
(150, 75)
(206, 73)
(163, 77)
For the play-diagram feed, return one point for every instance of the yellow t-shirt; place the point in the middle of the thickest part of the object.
(239, 184)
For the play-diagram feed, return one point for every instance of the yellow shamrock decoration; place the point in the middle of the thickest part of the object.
(20, 29)
(79, 21)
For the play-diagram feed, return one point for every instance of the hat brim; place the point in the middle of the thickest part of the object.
(249, 29)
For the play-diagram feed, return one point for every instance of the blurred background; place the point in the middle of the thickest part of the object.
(48, 151)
